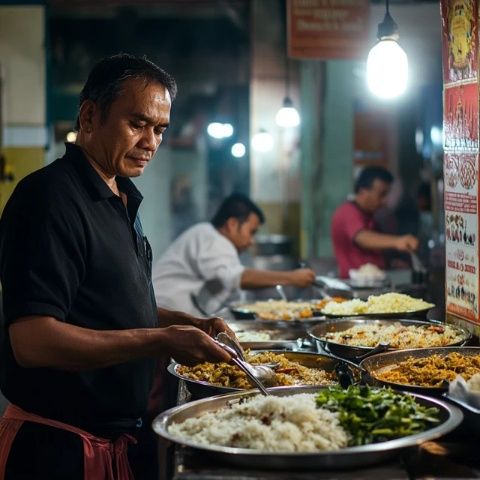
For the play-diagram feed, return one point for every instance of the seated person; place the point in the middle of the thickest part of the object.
(354, 236)
(201, 271)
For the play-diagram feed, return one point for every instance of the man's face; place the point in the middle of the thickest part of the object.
(374, 197)
(126, 140)
(241, 234)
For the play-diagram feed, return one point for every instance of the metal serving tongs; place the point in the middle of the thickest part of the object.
(259, 375)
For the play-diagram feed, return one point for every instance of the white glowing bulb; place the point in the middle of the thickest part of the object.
(238, 150)
(387, 69)
(262, 142)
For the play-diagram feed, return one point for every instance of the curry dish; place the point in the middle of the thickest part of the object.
(431, 371)
(287, 373)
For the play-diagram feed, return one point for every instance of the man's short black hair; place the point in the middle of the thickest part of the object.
(104, 83)
(238, 206)
(369, 174)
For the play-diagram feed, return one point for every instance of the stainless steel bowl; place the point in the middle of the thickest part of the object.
(375, 363)
(319, 331)
(200, 389)
(349, 457)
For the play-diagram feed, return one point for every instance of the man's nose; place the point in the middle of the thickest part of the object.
(149, 140)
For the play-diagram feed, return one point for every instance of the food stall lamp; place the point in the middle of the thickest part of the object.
(387, 63)
(287, 116)
(262, 141)
(238, 150)
(220, 130)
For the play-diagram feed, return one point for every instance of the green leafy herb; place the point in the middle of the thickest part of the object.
(375, 415)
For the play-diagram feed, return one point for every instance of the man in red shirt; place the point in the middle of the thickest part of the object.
(354, 238)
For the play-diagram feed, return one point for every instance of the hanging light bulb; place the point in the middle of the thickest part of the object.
(262, 141)
(287, 116)
(387, 63)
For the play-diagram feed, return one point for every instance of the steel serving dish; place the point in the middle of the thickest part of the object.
(351, 352)
(201, 389)
(241, 312)
(348, 457)
(386, 360)
(292, 337)
(420, 314)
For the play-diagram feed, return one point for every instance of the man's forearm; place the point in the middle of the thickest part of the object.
(46, 342)
(371, 240)
(252, 278)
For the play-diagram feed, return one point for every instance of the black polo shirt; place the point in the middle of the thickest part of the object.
(70, 249)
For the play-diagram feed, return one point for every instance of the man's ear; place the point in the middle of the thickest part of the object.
(86, 115)
(231, 223)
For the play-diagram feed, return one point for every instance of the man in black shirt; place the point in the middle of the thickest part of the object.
(82, 331)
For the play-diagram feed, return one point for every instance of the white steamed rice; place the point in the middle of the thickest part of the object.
(267, 424)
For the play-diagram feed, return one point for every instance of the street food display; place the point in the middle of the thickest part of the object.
(431, 371)
(307, 428)
(287, 372)
(388, 303)
(397, 335)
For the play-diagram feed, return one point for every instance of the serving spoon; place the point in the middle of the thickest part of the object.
(258, 375)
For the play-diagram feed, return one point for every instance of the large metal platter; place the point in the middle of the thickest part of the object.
(201, 389)
(384, 360)
(420, 314)
(318, 331)
(349, 457)
(241, 312)
(291, 337)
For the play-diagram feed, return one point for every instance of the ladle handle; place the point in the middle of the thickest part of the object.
(244, 367)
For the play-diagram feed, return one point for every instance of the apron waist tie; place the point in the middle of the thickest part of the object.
(99, 453)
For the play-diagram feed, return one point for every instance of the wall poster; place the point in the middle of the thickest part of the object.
(460, 51)
(461, 233)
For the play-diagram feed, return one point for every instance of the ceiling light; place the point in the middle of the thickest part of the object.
(387, 63)
(238, 150)
(220, 130)
(287, 116)
(262, 141)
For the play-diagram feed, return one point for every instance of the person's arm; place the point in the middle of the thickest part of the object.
(252, 278)
(40, 341)
(371, 240)
(211, 325)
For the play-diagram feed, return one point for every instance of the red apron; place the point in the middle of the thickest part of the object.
(99, 453)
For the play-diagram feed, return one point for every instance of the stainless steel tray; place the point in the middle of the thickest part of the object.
(382, 360)
(318, 332)
(349, 457)
(291, 337)
(201, 389)
(240, 312)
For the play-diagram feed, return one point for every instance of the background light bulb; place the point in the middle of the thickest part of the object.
(387, 69)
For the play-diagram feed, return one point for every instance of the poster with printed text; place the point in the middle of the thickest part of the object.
(459, 40)
(461, 234)
(327, 29)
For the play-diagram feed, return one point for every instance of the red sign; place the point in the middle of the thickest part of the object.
(327, 29)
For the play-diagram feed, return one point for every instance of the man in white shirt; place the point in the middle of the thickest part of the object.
(201, 271)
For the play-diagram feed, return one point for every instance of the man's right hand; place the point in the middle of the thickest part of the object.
(302, 277)
(190, 345)
(406, 243)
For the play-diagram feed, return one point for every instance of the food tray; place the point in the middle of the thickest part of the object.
(348, 457)
(201, 389)
(350, 351)
(383, 360)
(289, 337)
